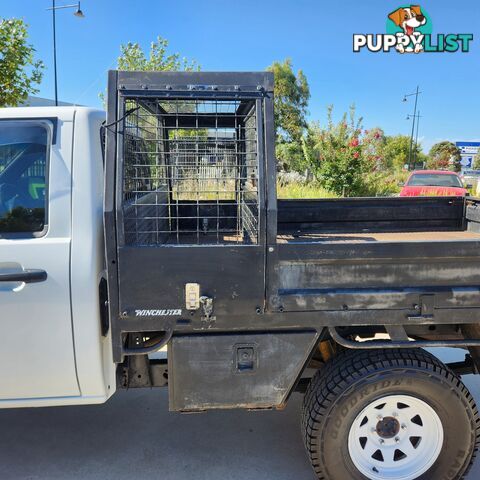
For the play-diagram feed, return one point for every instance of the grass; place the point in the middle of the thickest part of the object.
(299, 190)
(189, 189)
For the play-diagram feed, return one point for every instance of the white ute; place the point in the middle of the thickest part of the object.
(52, 351)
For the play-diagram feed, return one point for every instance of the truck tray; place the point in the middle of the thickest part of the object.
(436, 236)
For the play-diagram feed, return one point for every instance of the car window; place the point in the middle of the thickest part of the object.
(24, 147)
(434, 180)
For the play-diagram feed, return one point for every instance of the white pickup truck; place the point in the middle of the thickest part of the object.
(52, 351)
(172, 235)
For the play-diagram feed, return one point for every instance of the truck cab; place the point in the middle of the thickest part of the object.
(54, 349)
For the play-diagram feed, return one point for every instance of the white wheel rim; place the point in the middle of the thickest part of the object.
(412, 449)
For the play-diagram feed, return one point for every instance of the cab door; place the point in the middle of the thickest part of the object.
(36, 345)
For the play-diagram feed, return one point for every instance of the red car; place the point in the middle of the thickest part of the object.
(436, 183)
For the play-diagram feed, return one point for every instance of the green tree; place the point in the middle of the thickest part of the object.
(396, 152)
(373, 142)
(444, 155)
(335, 154)
(476, 162)
(421, 157)
(291, 95)
(19, 71)
(133, 57)
(157, 59)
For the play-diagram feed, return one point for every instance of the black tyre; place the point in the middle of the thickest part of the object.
(389, 415)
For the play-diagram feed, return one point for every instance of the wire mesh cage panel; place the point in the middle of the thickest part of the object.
(190, 172)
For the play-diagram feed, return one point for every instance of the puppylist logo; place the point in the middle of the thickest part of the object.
(409, 30)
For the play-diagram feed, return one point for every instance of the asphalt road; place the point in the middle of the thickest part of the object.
(134, 436)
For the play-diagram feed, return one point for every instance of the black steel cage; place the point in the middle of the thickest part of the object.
(190, 171)
(187, 155)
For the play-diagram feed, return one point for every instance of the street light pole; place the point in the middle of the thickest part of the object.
(417, 92)
(78, 13)
(54, 53)
(416, 118)
(416, 139)
(413, 131)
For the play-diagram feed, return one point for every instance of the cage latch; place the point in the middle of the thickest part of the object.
(207, 307)
(425, 309)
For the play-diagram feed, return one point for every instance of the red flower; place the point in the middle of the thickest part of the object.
(354, 142)
(356, 154)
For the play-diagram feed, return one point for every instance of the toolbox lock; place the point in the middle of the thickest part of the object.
(245, 358)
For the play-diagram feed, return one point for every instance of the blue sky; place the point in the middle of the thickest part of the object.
(250, 34)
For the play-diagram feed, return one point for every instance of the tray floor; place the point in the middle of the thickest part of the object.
(438, 236)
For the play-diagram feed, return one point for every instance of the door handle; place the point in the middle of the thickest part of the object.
(25, 276)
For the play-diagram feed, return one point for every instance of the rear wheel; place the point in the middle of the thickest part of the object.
(389, 415)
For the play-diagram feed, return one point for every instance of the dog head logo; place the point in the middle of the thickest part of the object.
(408, 18)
